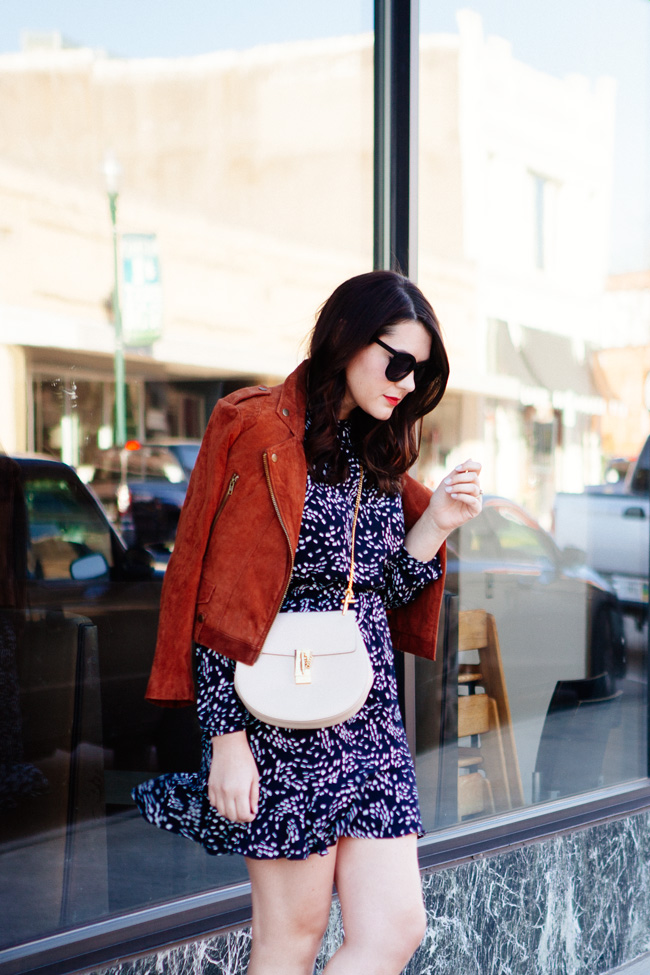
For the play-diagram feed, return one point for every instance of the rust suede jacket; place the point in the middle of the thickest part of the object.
(237, 535)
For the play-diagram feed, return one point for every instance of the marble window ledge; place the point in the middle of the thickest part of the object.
(574, 904)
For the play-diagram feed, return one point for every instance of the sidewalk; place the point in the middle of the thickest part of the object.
(640, 966)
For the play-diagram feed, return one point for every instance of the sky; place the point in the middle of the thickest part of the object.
(591, 37)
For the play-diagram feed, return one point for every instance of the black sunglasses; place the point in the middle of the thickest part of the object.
(403, 363)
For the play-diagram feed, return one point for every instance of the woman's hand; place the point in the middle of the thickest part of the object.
(456, 500)
(233, 783)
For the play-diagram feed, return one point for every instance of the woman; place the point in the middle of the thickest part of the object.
(266, 527)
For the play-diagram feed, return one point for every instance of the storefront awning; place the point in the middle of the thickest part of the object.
(507, 358)
(547, 366)
(552, 359)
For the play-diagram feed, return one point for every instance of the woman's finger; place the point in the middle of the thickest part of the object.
(221, 805)
(471, 487)
(461, 476)
(465, 487)
(243, 810)
(237, 806)
(212, 795)
(255, 795)
(474, 466)
(465, 477)
(228, 808)
(473, 499)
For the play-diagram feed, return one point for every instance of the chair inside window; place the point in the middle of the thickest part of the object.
(489, 779)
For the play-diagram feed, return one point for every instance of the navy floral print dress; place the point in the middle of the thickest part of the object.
(353, 779)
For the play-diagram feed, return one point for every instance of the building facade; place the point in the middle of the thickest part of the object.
(515, 178)
(255, 172)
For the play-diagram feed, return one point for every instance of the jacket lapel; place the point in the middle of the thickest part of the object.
(286, 471)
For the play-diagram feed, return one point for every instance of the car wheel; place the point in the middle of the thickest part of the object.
(608, 644)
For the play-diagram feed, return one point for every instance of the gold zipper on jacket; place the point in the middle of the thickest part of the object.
(222, 503)
(284, 527)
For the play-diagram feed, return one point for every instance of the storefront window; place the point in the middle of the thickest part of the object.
(247, 194)
(74, 415)
(245, 198)
(539, 693)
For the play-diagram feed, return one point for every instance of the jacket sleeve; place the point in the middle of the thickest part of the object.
(414, 628)
(171, 681)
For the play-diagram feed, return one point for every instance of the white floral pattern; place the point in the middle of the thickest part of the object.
(353, 779)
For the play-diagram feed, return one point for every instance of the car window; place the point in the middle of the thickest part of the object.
(187, 454)
(518, 541)
(157, 464)
(64, 526)
(144, 464)
(103, 469)
(641, 478)
(105, 475)
(153, 464)
(478, 541)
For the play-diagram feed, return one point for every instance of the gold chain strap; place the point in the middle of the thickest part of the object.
(349, 595)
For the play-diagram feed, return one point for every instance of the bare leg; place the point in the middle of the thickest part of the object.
(291, 906)
(378, 883)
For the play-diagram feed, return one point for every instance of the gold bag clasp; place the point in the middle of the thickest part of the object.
(302, 666)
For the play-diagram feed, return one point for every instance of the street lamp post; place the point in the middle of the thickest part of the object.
(112, 173)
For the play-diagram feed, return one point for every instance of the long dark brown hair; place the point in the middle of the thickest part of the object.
(360, 310)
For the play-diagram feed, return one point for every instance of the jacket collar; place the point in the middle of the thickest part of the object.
(292, 400)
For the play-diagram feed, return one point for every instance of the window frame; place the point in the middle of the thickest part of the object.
(219, 911)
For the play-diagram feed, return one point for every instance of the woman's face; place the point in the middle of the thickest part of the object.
(366, 382)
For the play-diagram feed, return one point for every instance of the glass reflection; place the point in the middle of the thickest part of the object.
(247, 187)
(253, 170)
(539, 692)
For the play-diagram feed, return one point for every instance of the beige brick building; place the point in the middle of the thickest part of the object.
(254, 171)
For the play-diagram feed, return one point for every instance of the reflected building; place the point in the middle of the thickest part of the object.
(525, 210)
(254, 171)
(220, 153)
(625, 364)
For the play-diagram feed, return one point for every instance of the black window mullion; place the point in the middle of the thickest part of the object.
(396, 105)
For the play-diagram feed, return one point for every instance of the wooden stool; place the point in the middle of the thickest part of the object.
(489, 779)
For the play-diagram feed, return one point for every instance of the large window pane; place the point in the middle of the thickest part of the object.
(244, 139)
(535, 249)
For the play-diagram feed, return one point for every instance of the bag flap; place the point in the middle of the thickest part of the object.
(327, 633)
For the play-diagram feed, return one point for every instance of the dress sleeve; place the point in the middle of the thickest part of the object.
(219, 709)
(405, 577)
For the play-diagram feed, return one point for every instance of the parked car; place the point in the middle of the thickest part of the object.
(616, 471)
(185, 452)
(78, 621)
(557, 620)
(610, 524)
(142, 488)
(76, 565)
(545, 600)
